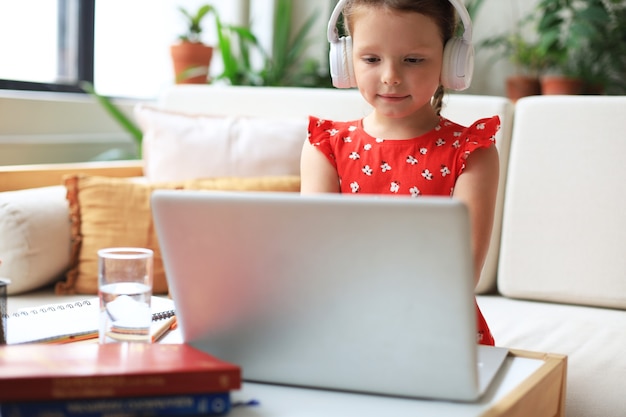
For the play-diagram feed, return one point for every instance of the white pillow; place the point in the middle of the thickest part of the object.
(179, 146)
(34, 237)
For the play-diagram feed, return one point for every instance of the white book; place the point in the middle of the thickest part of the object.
(74, 321)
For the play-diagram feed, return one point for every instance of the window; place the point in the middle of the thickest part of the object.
(46, 45)
(121, 46)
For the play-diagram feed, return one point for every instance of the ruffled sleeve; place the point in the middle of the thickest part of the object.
(320, 135)
(481, 134)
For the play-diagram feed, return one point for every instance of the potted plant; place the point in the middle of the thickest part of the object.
(575, 43)
(556, 46)
(190, 56)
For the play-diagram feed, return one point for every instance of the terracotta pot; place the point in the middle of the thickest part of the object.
(593, 89)
(191, 62)
(518, 86)
(561, 85)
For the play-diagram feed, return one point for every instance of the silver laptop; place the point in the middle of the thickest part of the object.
(359, 293)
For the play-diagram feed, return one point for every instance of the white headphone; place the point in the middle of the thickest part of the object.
(458, 53)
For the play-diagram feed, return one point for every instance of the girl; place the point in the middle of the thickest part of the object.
(404, 146)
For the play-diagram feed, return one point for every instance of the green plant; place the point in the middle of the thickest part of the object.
(120, 117)
(194, 22)
(582, 38)
(616, 62)
(284, 66)
(235, 44)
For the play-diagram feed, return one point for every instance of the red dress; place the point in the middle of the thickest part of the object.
(427, 165)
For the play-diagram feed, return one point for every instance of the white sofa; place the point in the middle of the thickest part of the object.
(555, 277)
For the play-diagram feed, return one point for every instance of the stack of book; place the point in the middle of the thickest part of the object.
(125, 379)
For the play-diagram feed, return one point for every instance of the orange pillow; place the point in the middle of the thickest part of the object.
(114, 212)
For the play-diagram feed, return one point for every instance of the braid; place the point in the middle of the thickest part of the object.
(437, 100)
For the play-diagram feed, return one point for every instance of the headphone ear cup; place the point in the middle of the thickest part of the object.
(458, 64)
(340, 59)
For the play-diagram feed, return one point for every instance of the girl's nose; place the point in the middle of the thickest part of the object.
(390, 74)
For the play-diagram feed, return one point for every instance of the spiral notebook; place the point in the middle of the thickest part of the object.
(75, 321)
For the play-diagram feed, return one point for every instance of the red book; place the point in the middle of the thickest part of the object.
(74, 371)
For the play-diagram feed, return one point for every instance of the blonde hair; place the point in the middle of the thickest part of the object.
(441, 11)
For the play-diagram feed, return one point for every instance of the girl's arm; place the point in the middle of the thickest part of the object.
(316, 172)
(477, 187)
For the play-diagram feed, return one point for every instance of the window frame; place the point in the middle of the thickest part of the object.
(84, 61)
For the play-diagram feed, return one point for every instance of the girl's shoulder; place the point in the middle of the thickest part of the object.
(324, 129)
(325, 124)
(482, 128)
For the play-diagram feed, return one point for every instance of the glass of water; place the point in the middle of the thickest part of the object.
(125, 291)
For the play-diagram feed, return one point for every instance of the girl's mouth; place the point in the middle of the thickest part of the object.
(392, 97)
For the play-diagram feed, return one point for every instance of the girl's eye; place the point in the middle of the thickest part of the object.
(370, 60)
(414, 60)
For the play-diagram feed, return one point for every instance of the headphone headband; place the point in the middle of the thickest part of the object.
(465, 18)
(333, 33)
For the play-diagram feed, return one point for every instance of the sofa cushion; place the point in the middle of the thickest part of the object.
(34, 237)
(109, 212)
(181, 146)
(563, 222)
(592, 338)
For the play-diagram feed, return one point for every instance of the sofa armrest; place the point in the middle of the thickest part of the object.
(18, 177)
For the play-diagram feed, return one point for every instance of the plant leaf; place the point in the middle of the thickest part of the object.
(117, 114)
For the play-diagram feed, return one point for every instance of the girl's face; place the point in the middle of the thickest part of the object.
(397, 60)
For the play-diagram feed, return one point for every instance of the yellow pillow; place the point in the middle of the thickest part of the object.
(114, 212)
